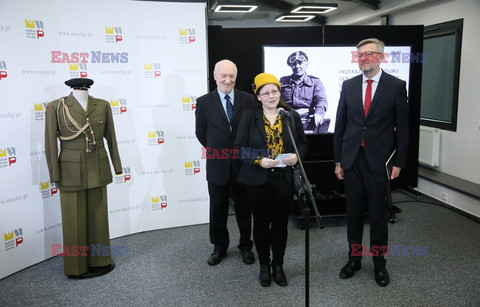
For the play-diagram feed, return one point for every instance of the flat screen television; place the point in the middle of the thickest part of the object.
(332, 65)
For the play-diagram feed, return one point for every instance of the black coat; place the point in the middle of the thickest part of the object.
(213, 131)
(251, 135)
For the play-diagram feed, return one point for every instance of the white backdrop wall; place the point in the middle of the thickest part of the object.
(149, 60)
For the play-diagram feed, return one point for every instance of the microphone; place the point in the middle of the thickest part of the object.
(284, 112)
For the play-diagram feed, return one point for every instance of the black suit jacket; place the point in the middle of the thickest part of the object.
(213, 131)
(384, 129)
(251, 135)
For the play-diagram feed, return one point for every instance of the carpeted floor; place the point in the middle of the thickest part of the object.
(169, 268)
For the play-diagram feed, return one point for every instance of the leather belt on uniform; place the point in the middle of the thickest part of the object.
(77, 145)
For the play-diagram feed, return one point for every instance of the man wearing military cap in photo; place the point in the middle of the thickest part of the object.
(82, 171)
(305, 94)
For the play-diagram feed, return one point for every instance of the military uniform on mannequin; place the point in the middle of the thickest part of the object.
(82, 171)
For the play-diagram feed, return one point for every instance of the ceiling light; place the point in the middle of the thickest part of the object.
(294, 18)
(235, 7)
(314, 8)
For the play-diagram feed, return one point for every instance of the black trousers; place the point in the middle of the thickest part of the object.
(271, 204)
(219, 203)
(365, 189)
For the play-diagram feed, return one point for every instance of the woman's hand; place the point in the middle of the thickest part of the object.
(268, 163)
(292, 160)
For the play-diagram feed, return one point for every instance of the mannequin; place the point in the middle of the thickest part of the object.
(81, 171)
(82, 97)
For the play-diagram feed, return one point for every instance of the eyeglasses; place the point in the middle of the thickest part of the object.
(295, 58)
(267, 94)
(367, 54)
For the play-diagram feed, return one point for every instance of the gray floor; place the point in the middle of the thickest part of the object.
(168, 268)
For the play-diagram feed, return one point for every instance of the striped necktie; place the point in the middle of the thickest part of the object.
(229, 107)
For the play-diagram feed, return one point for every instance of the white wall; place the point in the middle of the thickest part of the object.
(460, 150)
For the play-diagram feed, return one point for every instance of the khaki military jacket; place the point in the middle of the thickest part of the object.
(74, 168)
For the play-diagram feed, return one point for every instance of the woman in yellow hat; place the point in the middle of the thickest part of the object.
(261, 137)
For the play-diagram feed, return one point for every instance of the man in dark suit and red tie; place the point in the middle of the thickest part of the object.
(372, 122)
(217, 116)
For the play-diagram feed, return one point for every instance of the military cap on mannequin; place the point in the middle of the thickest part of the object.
(82, 83)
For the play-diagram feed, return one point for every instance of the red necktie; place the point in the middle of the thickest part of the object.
(368, 101)
(368, 97)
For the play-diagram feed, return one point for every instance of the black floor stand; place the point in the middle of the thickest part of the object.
(303, 188)
(95, 272)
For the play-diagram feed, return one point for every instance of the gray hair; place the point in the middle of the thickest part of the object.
(376, 41)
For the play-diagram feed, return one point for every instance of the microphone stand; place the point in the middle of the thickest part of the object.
(305, 187)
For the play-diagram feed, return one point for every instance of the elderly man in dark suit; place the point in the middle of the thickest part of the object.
(217, 115)
(372, 122)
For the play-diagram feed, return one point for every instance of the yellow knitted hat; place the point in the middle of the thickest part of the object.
(264, 78)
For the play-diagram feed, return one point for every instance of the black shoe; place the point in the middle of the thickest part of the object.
(349, 269)
(381, 276)
(216, 257)
(248, 257)
(279, 275)
(265, 277)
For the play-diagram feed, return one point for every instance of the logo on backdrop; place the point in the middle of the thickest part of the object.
(189, 103)
(187, 36)
(39, 110)
(191, 167)
(156, 138)
(124, 177)
(93, 57)
(78, 70)
(152, 70)
(35, 28)
(159, 202)
(48, 189)
(119, 106)
(3, 70)
(13, 238)
(113, 34)
(8, 157)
